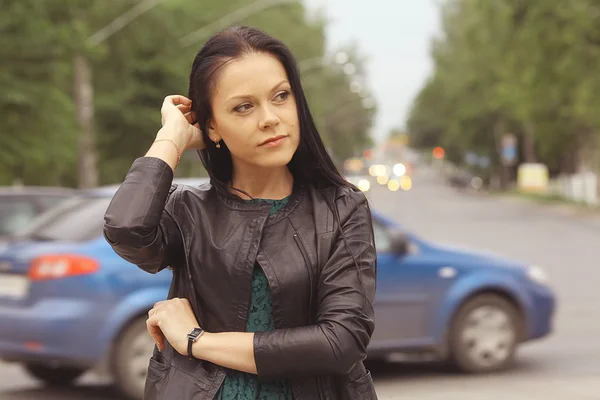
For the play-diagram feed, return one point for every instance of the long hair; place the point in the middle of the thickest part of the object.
(310, 164)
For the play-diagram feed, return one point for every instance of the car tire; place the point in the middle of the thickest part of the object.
(54, 376)
(484, 334)
(130, 359)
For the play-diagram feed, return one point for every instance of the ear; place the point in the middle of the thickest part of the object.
(212, 132)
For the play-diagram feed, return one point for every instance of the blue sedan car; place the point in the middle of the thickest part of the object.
(69, 304)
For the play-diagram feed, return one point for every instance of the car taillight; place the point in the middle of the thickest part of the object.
(61, 266)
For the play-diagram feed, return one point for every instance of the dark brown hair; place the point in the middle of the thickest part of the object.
(311, 164)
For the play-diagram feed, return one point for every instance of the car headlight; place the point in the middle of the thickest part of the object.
(537, 275)
(364, 185)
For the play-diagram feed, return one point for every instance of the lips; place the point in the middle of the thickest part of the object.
(273, 139)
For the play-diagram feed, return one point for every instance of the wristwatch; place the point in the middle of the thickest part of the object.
(193, 337)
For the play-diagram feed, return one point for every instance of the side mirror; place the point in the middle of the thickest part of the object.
(398, 242)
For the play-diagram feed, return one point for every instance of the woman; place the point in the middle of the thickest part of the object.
(273, 262)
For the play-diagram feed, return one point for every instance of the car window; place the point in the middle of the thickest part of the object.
(382, 241)
(77, 219)
(15, 213)
(49, 201)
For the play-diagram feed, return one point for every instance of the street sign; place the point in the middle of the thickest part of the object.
(471, 158)
(532, 178)
(509, 149)
(484, 162)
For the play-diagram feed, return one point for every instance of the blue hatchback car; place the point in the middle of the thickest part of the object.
(69, 304)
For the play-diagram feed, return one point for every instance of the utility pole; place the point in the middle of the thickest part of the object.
(232, 18)
(87, 161)
(84, 92)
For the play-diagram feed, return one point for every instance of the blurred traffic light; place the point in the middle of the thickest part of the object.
(438, 153)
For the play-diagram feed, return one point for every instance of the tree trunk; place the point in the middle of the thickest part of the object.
(499, 131)
(587, 153)
(529, 143)
(87, 165)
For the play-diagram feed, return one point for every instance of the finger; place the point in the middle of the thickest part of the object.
(155, 332)
(177, 99)
(185, 301)
(159, 303)
(191, 118)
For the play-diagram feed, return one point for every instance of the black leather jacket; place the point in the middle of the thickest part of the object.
(212, 239)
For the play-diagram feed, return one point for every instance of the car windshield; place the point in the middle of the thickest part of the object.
(78, 219)
(15, 214)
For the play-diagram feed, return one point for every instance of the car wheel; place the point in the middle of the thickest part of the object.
(484, 334)
(54, 376)
(131, 357)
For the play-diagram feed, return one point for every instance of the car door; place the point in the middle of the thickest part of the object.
(405, 294)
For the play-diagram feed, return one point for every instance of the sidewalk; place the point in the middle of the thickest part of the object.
(558, 206)
(493, 388)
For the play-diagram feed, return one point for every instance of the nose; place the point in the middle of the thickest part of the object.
(268, 118)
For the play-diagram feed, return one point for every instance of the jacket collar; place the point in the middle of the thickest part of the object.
(235, 202)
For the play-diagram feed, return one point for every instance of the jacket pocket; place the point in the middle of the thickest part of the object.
(166, 381)
(362, 388)
(156, 380)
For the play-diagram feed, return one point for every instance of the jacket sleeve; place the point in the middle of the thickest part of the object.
(345, 317)
(137, 223)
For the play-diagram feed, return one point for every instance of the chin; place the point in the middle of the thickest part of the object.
(275, 159)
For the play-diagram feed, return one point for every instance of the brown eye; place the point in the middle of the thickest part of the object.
(283, 96)
(243, 107)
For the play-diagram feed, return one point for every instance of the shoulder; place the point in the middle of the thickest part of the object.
(197, 192)
(345, 199)
(194, 186)
(351, 195)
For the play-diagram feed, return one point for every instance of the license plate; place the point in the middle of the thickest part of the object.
(13, 286)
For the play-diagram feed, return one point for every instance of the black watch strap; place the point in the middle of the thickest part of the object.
(190, 343)
(193, 338)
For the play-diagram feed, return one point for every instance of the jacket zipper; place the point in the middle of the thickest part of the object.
(310, 299)
(302, 250)
(310, 275)
(188, 273)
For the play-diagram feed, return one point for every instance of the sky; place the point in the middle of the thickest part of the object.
(395, 35)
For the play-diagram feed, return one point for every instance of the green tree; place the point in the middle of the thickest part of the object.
(37, 39)
(132, 71)
(524, 67)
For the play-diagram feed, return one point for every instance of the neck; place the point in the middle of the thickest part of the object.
(262, 183)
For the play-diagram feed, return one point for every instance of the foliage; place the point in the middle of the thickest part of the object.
(132, 71)
(526, 67)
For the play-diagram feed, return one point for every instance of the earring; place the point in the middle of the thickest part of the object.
(218, 144)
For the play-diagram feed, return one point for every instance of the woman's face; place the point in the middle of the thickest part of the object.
(252, 105)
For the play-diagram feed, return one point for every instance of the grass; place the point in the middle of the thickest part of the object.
(549, 199)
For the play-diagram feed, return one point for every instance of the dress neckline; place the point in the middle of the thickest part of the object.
(270, 201)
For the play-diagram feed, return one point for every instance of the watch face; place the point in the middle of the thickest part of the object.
(195, 333)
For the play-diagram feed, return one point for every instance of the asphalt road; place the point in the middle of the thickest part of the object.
(565, 366)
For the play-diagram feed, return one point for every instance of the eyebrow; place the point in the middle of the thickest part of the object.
(247, 96)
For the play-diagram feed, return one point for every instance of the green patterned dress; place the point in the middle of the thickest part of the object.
(243, 386)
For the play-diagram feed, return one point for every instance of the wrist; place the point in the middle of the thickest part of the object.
(169, 133)
(200, 346)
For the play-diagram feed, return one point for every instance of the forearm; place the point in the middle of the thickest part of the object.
(168, 147)
(136, 225)
(140, 200)
(233, 350)
(236, 350)
(323, 349)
